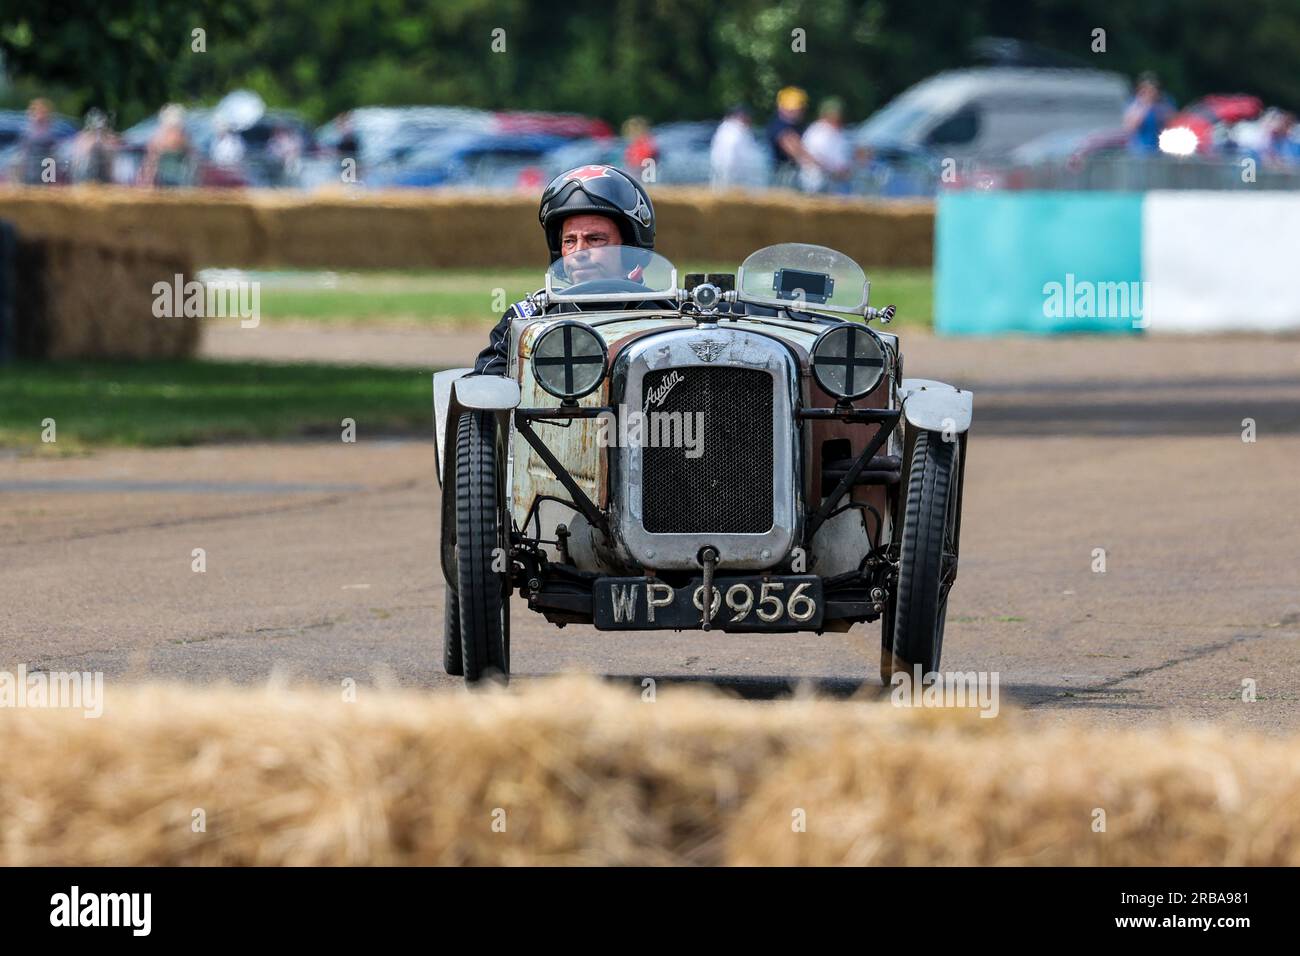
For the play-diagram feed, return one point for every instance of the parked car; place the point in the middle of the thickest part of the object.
(487, 160)
(1213, 117)
(741, 454)
(1069, 147)
(387, 134)
(603, 150)
(684, 151)
(565, 125)
(895, 171)
(988, 111)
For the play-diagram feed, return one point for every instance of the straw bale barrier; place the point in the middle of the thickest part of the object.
(572, 771)
(77, 299)
(352, 228)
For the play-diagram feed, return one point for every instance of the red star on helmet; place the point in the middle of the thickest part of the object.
(584, 173)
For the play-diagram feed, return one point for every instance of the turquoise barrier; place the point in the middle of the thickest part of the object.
(1038, 263)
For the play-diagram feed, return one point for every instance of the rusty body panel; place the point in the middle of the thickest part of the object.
(575, 442)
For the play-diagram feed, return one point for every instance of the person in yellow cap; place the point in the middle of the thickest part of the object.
(785, 135)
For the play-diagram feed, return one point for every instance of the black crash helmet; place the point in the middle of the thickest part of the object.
(603, 191)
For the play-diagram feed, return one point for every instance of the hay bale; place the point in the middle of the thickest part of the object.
(581, 772)
(87, 300)
(701, 225)
(210, 227)
(349, 228)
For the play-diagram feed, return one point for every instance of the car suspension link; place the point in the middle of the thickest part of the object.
(709, 558)
(886, 418)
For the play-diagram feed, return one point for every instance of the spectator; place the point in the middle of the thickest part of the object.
(830, 150)
(227, 145)
(168, 159)
(286, 147)
(784, 135)
(1281, 148)
(641, 146)
(1147, 114)
(37, 145)
(735, 158)
(93, 150)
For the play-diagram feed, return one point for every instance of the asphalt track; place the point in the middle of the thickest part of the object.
(321, 556)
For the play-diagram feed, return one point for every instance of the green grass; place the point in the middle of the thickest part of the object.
(466, 297)
(912, 290)
(184, 403)
(378, 297)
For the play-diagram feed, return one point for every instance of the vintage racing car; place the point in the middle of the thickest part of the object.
(740, 453)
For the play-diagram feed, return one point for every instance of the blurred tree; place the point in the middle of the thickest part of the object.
(126, 57)
(665, 59)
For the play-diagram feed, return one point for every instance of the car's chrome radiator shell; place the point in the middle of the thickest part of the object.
(742, 494)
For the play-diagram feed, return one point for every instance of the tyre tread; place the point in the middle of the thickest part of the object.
(476, 535)
(921, 553)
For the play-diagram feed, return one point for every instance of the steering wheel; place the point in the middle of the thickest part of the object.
(605, 287)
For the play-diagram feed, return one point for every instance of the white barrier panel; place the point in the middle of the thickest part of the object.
(1220, 261)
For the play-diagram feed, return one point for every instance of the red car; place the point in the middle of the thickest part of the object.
(1213, 112)
(570, 125)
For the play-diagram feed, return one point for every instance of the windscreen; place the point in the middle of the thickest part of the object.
(803, 276)
(611, 274)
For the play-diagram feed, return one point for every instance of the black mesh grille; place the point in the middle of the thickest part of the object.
(728, 489)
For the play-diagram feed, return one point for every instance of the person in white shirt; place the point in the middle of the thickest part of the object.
(227, 146)
(735, 157)
(830, 149)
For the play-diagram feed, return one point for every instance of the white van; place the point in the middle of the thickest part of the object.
(986, 112)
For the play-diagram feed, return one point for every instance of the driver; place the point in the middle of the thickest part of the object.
(584, 211)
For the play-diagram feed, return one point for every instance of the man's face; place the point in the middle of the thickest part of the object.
(582, 239)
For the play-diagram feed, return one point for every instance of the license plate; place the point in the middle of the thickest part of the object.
(774, 603)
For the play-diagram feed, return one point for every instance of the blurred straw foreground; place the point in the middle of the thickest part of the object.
(572, 771)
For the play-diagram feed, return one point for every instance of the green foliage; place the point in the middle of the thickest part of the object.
(128, 57)
(665, 59)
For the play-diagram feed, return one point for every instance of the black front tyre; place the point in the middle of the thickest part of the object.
(927, 554)
(888, 663)
(482, 547)
(452, 660)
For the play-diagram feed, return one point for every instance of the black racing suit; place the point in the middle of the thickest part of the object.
(492, 360)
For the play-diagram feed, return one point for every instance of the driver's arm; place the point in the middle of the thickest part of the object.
(492, 360)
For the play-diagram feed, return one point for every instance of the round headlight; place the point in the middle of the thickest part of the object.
(569, 359)
(848, 360)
